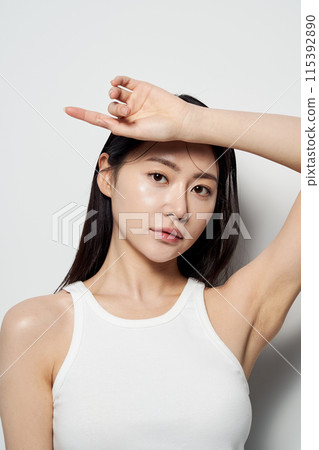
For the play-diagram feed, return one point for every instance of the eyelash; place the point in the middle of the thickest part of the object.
(158, 173)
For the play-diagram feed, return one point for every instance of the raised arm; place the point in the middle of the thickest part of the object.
(272, 136)
(151, 113)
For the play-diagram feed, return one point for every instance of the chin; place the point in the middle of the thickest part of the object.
(156, 255)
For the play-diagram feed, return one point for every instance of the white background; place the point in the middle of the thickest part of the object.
(231, 55)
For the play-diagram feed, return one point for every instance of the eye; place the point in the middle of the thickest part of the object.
(208, 193)
(159, 175)
(156, 173)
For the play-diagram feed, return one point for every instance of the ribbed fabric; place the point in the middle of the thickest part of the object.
(164, 383)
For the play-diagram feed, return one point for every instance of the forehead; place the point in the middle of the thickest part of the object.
(186, 155)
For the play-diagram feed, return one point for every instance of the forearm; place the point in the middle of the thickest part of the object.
(272, 136)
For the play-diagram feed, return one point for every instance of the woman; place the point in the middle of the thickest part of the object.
(153, 355)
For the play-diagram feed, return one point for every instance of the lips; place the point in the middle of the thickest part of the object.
(169, 231)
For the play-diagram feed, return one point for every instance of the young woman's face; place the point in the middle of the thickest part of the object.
(148, 192)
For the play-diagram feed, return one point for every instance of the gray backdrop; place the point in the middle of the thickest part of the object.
(231, 55)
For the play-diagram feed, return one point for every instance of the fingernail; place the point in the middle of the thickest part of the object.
(64, 109)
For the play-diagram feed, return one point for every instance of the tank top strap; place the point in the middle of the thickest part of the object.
(75, 288)
(198, 302)
(77, 298)
(200, 285)
(197, 292)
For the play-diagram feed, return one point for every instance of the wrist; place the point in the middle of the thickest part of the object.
(193, 125)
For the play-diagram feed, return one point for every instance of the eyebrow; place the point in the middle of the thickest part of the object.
(175, 167)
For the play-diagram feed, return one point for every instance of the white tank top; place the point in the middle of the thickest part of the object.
(164, 383)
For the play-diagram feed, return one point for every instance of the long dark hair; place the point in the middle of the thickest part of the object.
(207, 257)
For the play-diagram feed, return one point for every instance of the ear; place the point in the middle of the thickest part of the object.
(104, 176)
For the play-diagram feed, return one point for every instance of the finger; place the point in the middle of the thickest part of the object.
(119, 94)
(124, 81)
(92, 117)
(118, 109)
(78, 113)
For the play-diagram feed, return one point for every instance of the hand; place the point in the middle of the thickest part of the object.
(152, 113)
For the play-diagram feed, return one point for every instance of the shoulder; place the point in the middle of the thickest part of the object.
(27, 352)
(32, 325)
(35, 312)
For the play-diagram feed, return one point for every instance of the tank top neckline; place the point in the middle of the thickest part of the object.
(163, 318)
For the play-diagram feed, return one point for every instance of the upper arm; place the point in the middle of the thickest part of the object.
(270, 283)
(25, 383)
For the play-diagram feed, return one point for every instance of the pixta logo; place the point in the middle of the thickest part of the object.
(68, 222)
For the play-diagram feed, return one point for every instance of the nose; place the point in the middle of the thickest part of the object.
(177, 204)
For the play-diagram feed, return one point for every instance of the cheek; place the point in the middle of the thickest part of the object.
(139, 194)
(132, 210)
(144, 195)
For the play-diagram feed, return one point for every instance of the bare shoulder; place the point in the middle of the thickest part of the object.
(28, 346)
(32, 326)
